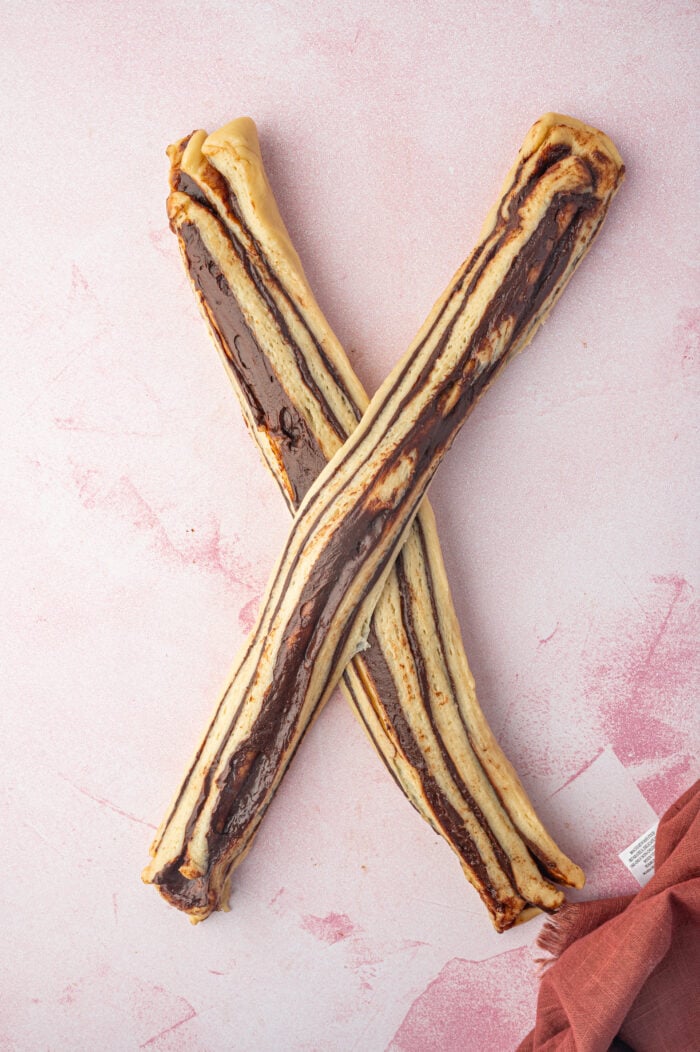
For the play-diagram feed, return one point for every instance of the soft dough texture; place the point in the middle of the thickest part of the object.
(412, 687)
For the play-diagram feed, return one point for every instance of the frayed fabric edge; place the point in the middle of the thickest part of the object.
(557, 935)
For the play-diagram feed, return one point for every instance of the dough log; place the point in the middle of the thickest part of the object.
(361, 588)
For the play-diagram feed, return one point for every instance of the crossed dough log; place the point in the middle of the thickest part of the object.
(412, 687)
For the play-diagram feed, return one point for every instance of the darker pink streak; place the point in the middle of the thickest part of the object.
(581, 770)
(78, 282)
(248, 613)
(543, 642)
(659, 789)
(203, 548)
(686, 339)
(168, 1029)
(334, 927)
(107, 803)
(162, 241)
(145, 1011)
(645, 669)
(68, 994)
(461, 1010)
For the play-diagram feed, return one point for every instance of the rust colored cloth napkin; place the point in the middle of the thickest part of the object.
(627, 970)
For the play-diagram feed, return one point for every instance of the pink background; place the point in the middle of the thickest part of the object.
(140, 525)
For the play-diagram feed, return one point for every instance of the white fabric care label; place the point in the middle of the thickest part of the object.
(639, 856)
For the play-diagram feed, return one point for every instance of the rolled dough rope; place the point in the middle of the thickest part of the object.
(431, 731)
(442, 774)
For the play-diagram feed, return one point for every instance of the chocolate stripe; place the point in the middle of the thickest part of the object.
(224, 193)
(475, 862)
(253, 373)
(253, 267)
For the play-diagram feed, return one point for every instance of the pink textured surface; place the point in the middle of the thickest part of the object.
(140, 525)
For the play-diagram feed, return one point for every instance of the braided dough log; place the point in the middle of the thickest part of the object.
(412, 688)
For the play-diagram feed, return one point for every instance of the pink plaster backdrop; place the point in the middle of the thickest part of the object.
(140, 525)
